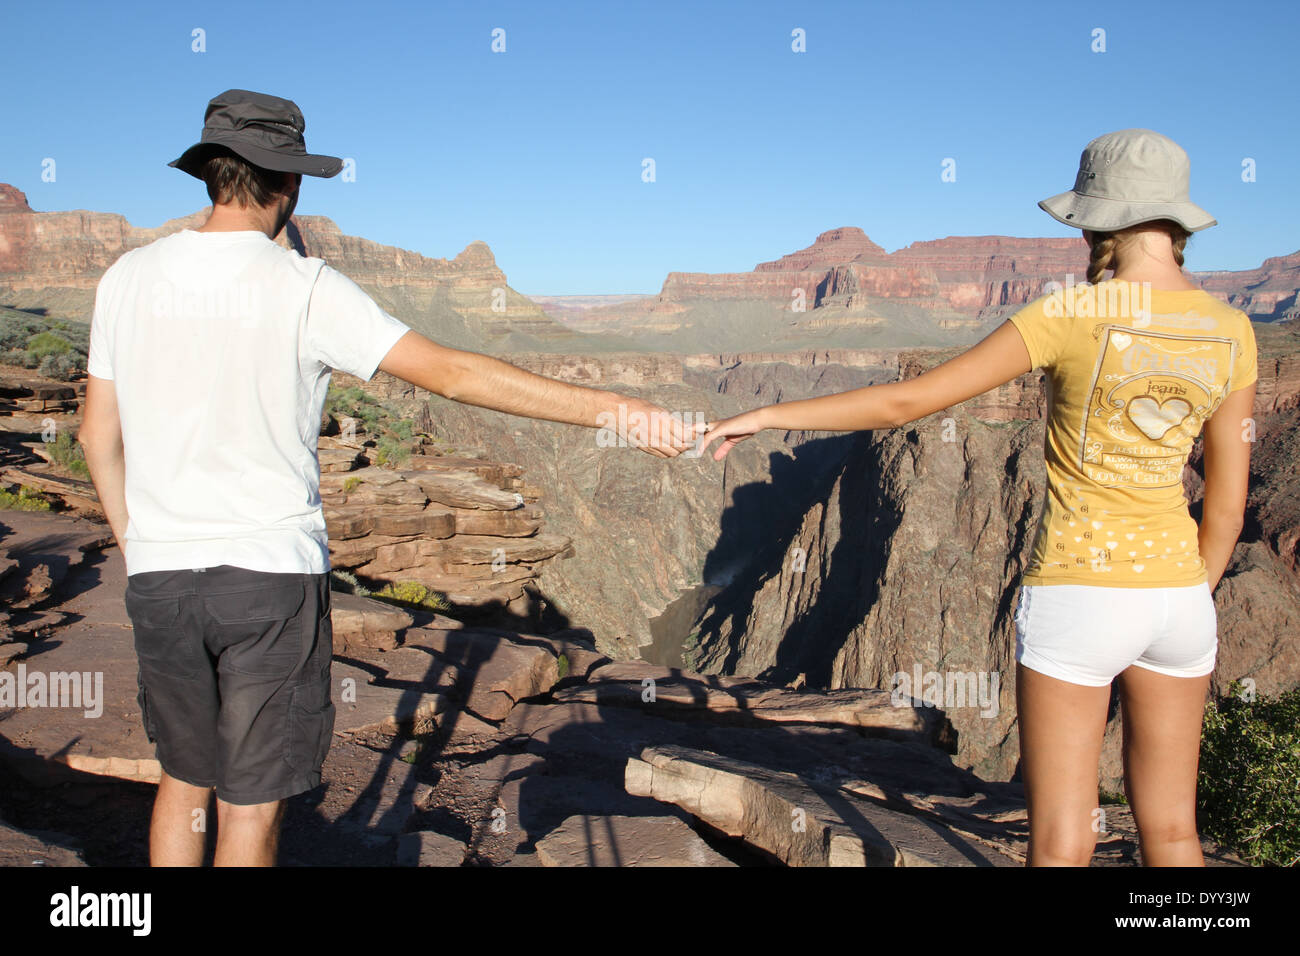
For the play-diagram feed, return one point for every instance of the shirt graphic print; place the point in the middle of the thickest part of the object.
(1129, 390)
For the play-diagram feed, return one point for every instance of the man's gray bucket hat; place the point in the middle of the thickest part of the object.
(265, 130)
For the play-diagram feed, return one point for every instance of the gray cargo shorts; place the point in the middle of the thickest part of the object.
(235, 677)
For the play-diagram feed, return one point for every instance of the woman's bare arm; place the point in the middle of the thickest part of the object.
(1228, 438)
(996, 360)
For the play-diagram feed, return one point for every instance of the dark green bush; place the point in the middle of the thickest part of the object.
(1248, 794)
(68, 453)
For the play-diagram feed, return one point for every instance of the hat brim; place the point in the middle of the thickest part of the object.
(1096, 214)
(309, 164)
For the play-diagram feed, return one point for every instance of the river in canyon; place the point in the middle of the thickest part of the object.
(670, 630)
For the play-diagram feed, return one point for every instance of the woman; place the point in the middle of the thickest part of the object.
(1119, 583)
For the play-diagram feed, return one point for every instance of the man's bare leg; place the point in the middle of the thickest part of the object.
(174, 837)
(248, 834)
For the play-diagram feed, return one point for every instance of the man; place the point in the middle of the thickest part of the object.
(210, 357)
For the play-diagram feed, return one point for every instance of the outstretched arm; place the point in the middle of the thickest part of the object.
(996, 360)
(1227, 475)
(481, 380)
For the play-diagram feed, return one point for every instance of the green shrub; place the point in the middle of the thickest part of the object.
(67, 452)
(354, 402)
(48, 343)
(27, 499)
(1249, 786)
(27, 339)
(413, 593)
(392, 452)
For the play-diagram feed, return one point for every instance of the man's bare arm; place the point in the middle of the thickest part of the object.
(476, 379)
(101, 439)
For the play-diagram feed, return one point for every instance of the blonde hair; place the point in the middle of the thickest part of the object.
(1105, 245)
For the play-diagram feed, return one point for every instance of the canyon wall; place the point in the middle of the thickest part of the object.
(53, 261)
(908, 561)
(845, 291)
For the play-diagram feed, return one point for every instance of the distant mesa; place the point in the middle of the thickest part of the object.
(53, 261)
(846, 291)
(833, 247)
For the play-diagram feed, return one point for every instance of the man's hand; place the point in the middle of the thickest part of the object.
(645, 425)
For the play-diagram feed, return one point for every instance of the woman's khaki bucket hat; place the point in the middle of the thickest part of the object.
(1126, 178)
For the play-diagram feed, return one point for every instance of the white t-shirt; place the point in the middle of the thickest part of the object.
(220, 346)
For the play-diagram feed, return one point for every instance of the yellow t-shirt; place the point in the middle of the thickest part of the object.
(1132, 375)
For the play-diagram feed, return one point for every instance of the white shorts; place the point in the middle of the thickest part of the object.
(1088, 634)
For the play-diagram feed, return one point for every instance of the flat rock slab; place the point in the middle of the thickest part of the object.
(745, 700)
(914, 779)
(795, 822)
(363, 703)
(494, 672)
(576, 646)
(338, 459)
(365, 622)
(463, 489)
(585, 840)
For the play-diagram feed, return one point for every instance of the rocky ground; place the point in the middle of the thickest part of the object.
(473, 746)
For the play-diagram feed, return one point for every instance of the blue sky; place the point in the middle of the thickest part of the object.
(538, 150)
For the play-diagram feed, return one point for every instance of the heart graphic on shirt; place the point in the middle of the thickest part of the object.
(1155, 418)
(1121, 340)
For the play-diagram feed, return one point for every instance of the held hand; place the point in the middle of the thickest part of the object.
(655, 430)
(732, 431)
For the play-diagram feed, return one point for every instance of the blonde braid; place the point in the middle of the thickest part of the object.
(1179, 235)
(1103, 254)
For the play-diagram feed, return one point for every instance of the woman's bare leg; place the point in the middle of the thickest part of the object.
(1162, 718)
(1061, 729)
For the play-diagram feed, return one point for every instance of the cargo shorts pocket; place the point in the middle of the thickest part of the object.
(146, 717)
(311, 726)
(259, 629)
(160, 642)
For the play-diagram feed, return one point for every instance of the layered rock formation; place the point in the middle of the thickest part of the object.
(908, 562)
(457, 526)
(846, 289)
(53, 261)
(1267, 293)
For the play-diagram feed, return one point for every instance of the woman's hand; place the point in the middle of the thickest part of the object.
(732, 431)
